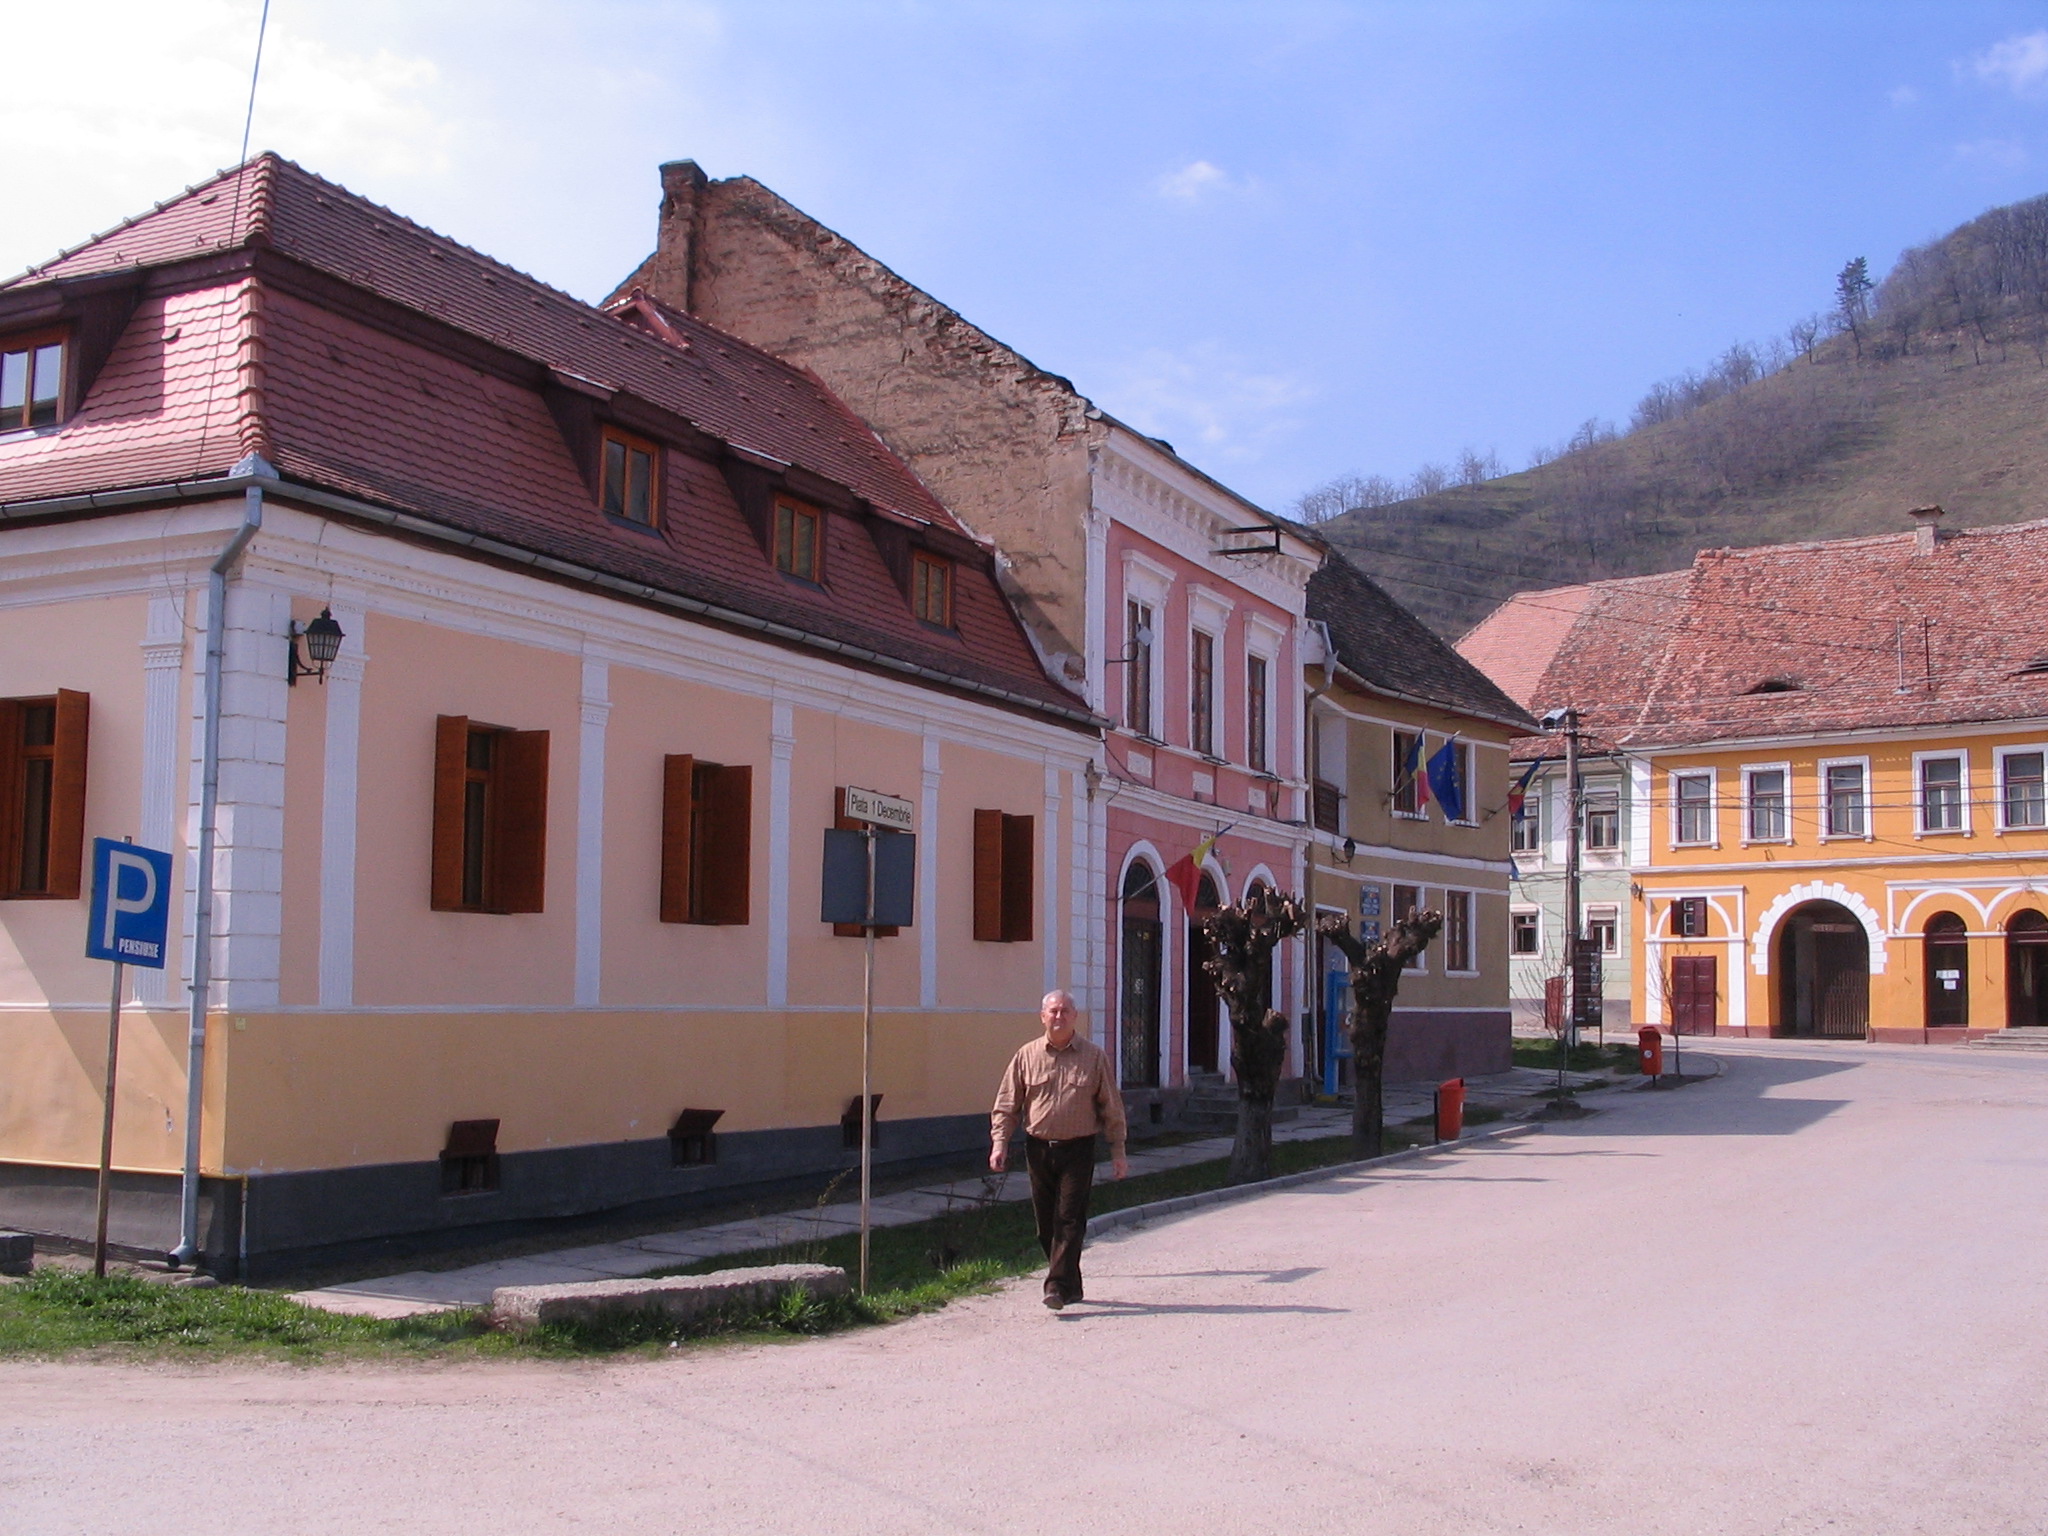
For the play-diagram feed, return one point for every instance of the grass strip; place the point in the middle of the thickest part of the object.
(913, 1269)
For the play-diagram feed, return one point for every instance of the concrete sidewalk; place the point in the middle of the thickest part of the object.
(417, 1291)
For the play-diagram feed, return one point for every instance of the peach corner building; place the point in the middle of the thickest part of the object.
(515, 912)
(1837, 814)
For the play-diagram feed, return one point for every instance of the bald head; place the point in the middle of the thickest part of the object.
(1056, 1011)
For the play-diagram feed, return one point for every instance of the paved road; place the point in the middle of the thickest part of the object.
(1806, 1297)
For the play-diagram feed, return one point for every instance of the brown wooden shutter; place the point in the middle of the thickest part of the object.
(729, 841)
(678, 775)
(451, 763)
(520, 813)
(1018, 847)
(67, 794)
(988, 877)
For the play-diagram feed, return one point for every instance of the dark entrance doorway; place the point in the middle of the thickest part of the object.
(2026, 971)
(1138, 1010)
(1695, 985)
(1204, 1013)
(1948, 971)
(1823, 974)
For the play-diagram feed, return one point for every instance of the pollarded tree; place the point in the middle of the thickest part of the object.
(1242, 939)
(1375, 979)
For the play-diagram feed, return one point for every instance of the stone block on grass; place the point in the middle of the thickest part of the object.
(17, 1253)
(679, 1297)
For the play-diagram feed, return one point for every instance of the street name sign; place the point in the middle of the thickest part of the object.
(882, 810)
(130, 916)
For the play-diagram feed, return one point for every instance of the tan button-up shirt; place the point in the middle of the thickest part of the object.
(1059, 1095)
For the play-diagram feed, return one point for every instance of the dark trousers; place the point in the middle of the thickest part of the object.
(1062, 1174)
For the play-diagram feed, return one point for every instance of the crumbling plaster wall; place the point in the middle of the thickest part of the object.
(1004, 444)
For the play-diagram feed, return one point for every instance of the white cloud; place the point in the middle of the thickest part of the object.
(1203, 397)
(2020, 64)
(169, 87)
(1904, 96)
(1193, 181)
(1993, 154)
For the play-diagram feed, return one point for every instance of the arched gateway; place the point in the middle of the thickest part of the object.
(1823, 965)
(1138, 1012)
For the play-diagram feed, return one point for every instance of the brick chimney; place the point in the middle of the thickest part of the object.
(1926, 528)
(675, 250)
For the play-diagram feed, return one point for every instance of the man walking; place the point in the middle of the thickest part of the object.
(1061, 1087)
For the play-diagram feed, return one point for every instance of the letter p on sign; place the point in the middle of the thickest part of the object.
(131, 904)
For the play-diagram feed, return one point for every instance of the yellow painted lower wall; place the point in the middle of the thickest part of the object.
(289, 1092)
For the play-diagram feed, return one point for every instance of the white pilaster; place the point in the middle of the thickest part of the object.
(249, 826)
(596, 711)
(928, 879)
(163, 659)
(338, 771)
(1049, 876)
(781, 748)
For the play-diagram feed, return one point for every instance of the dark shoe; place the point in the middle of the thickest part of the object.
(1055, 1300)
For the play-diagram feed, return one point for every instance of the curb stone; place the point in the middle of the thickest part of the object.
(679, 1296)
(1138, 1215)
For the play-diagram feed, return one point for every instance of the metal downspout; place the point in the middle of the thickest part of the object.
(187, 1250)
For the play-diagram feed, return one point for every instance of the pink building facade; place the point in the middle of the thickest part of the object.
(1195, 640)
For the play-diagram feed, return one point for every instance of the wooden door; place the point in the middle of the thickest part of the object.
(1695, 987)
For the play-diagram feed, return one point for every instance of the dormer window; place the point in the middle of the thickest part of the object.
(630, 482)
(797, 527)
(31, 380)
(931, 588)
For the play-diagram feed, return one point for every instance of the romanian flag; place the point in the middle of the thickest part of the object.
(1185, 873)
(1411, 773)
(1520, 792)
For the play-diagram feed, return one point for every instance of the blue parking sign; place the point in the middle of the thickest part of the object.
(131, 904)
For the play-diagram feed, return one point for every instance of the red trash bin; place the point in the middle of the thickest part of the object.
(1450, 1109)
(1650, 1051)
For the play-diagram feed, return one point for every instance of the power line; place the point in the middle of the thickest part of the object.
(255, 71)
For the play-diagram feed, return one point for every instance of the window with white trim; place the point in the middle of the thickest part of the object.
(2022, 800)
(1526, 834)
(1941, 794)
(1458, 931)
(1844, 803)
(1765, 808)
(1603, 927)
(1601, 804)
(1525, 933)
(1692, 796)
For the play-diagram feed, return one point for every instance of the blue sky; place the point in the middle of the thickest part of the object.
(1295, 239)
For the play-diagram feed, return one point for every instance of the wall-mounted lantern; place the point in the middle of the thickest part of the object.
(323, 639)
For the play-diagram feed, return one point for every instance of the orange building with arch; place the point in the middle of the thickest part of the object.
(1839, 821)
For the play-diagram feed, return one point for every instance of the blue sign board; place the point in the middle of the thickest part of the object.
(131, 904)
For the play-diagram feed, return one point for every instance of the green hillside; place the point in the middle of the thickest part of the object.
(1938, 393)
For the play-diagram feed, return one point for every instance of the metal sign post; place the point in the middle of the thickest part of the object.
(128, 923)
(878, 892)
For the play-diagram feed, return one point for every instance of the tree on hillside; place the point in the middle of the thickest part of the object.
(1375, 979)
(1242, 939)
(1852, 298)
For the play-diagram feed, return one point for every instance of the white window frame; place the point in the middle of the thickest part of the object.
(1148, 582)
(1611, 910)
(1466, 759)
(1532, 804)
(1419, 966)
(1259, 653)
(1750, 840)
(1421, 812)
(1952, 755)
(1471, 930)
(1826, 801)
(1586, 792)
(1219, 729)
(1713, 778)
(1998, 757)
(1518, 909)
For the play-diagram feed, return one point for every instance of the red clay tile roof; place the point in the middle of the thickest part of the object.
(1791, 640)
(345, 404)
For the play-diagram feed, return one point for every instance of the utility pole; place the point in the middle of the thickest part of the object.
(1574, 812)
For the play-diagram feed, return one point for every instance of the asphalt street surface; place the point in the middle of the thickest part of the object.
(1807, 1296)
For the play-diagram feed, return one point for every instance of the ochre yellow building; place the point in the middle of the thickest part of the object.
(1839, 826)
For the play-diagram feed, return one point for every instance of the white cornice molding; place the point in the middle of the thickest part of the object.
(1209, 608)
(1146, 579)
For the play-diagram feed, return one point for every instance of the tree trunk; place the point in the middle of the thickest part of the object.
(1368, 1083)
(1256, 1056)
(1251, 1159)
